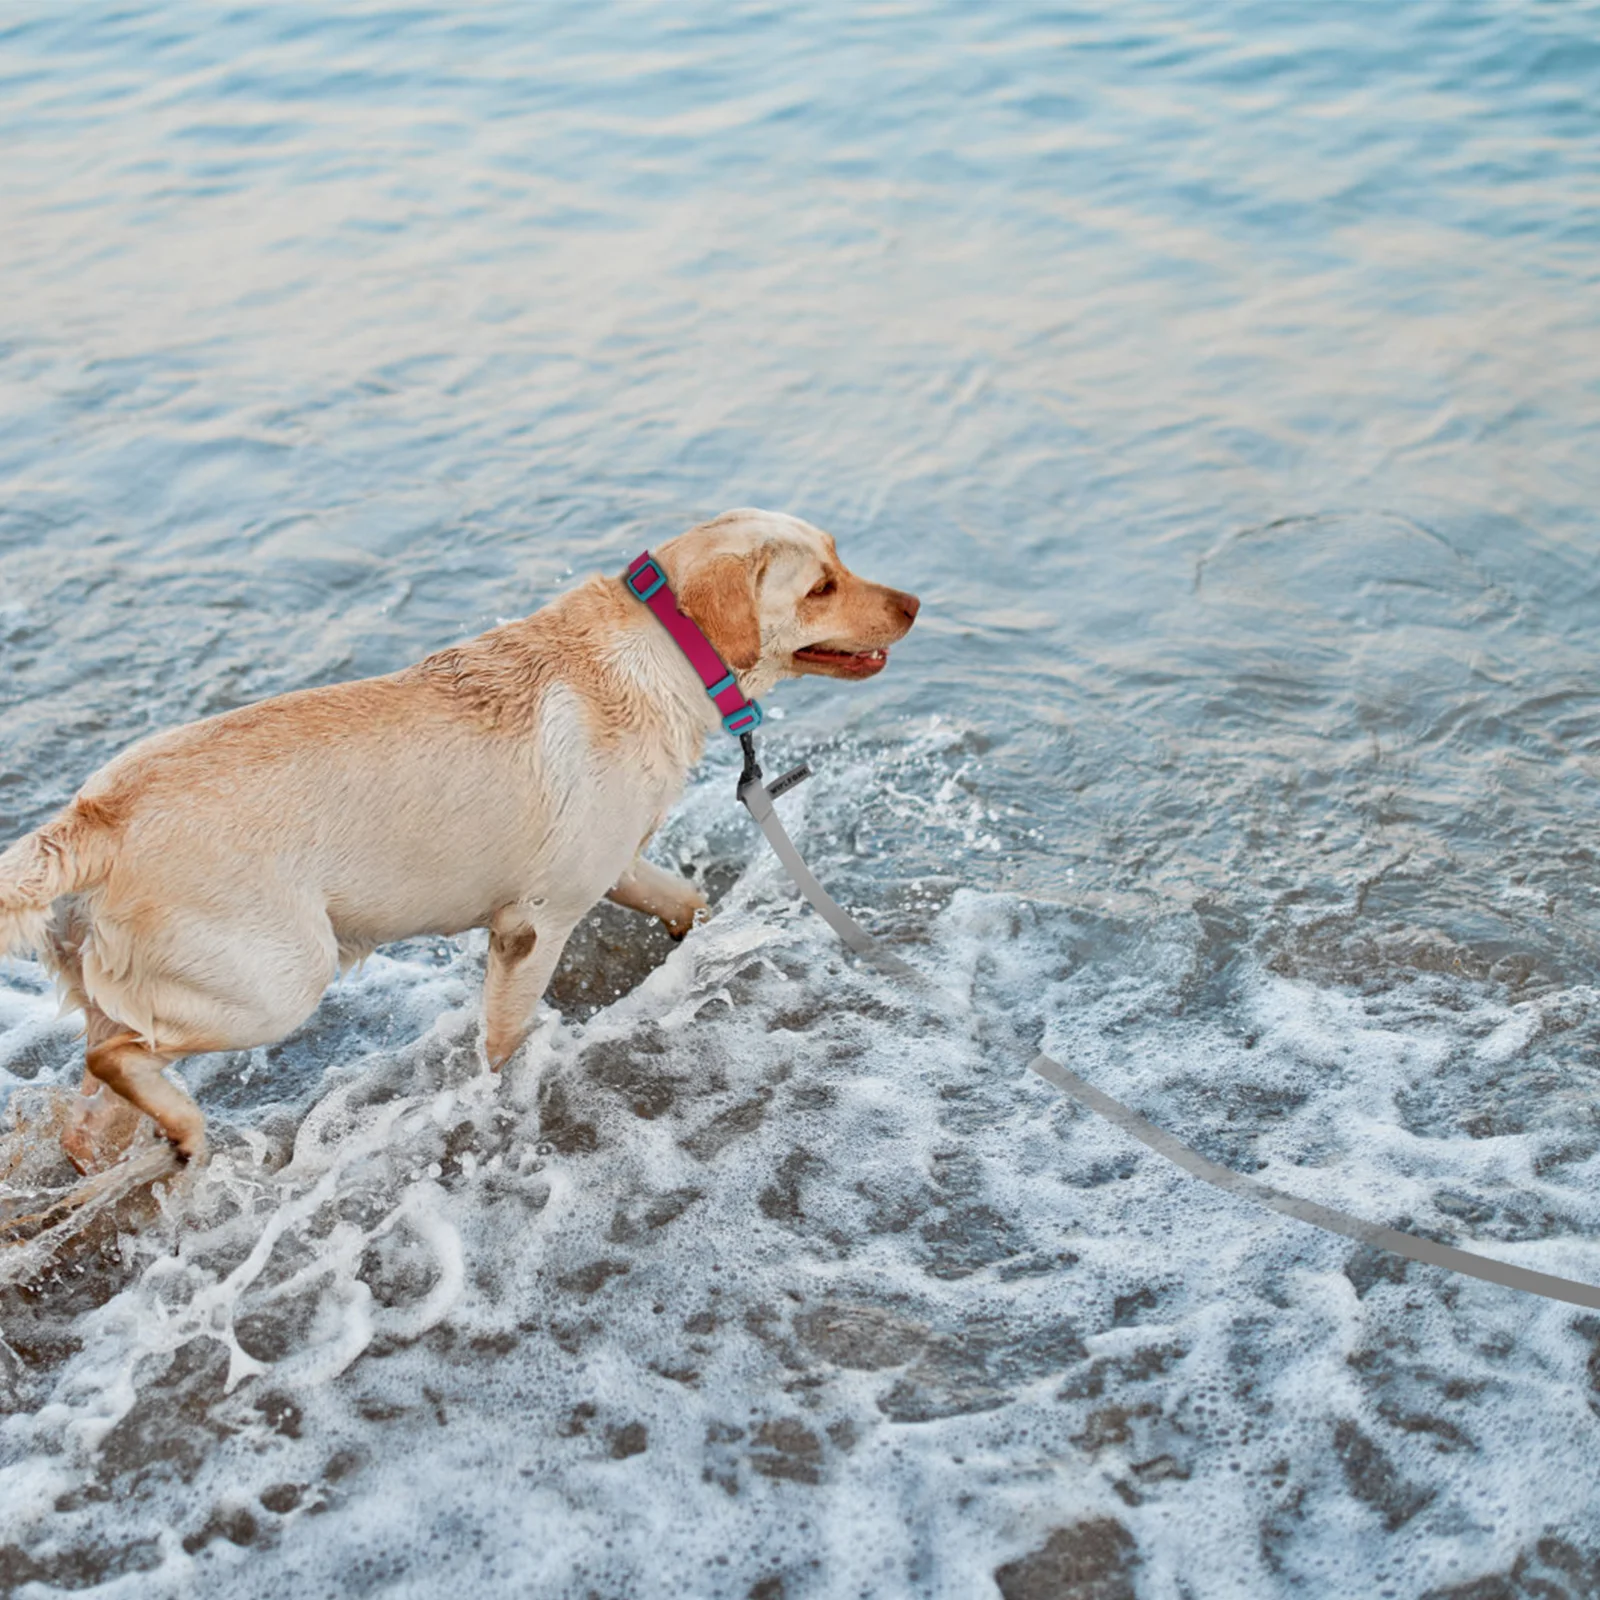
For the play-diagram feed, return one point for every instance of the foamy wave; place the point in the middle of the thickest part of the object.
(762, 1268)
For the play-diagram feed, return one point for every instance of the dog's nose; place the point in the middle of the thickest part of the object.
(906, 604)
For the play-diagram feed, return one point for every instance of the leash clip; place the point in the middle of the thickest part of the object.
(751, 773)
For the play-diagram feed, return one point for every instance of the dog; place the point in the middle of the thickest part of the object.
(203, 889)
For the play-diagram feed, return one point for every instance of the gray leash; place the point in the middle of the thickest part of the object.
(757, 798)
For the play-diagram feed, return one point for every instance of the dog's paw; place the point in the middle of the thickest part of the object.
(681, 926)
(192, 1150)
(499, 1048)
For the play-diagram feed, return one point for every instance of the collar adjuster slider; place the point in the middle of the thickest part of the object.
(646, 579)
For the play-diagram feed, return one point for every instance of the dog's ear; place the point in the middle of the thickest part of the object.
(720, 594)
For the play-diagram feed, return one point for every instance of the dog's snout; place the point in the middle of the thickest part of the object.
(906, 604)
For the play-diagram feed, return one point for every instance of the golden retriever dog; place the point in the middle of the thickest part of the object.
(205, 887)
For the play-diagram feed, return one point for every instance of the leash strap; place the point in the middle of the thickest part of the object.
(647, 582)
(756, 797)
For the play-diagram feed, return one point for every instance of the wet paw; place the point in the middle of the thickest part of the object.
(680, 927)
(192, 1151)
(499, 1048)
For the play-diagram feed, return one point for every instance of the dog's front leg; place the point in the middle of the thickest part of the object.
(522, 958)
(645, 887)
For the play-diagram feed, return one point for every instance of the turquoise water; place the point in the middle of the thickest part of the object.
(1226, 381)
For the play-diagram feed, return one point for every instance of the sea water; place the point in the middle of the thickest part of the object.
(1226, 380)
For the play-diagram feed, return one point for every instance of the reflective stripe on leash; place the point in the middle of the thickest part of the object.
(756, 797)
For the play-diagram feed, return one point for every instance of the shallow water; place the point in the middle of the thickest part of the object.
(1226, 380)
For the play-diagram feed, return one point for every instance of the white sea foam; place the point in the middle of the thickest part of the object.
(769, 1272)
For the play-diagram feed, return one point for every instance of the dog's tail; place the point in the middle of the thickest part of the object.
(71, 852)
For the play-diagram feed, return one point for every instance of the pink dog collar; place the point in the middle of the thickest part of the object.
(649, 583)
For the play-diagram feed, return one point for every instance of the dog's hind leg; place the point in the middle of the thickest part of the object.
(133, 1070)
(101, 1124)
(521, 962)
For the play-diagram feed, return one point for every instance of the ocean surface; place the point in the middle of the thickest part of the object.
(1225, 378)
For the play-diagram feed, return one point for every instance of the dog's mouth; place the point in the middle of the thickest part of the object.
(841, 663)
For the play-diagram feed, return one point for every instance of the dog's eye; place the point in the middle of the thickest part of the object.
(822, 587)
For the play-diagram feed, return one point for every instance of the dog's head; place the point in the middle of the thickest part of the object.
(771, 594)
